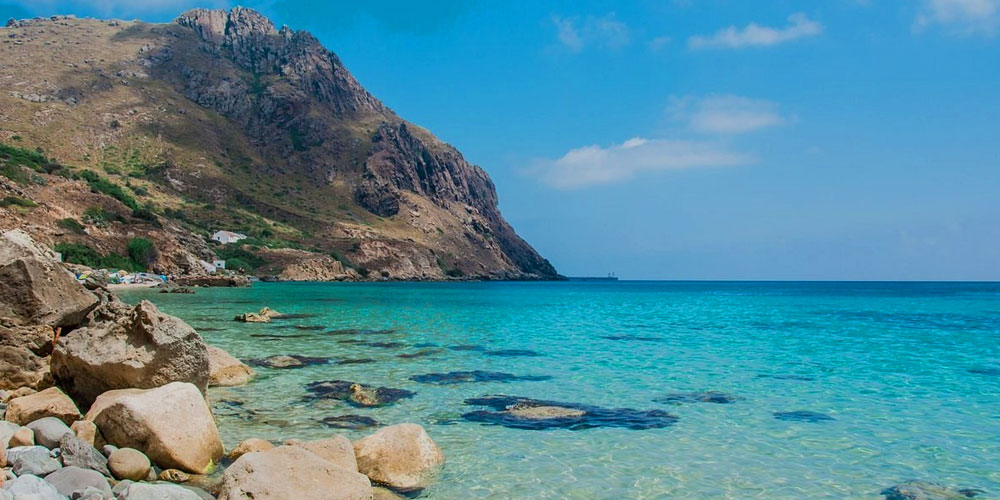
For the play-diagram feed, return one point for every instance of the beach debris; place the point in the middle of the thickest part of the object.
(513, 353)
(357, 394)
(462, 377)
(802, 416)
(282, 361)
(532, 414)
(698, 397)
(922, 490)
(351, 422)
(402, 457)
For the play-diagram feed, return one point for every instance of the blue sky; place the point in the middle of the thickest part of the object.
(696, 139)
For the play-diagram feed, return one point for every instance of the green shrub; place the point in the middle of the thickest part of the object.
(115, 261)
(142, 251)
(70, 224)
(17, 201)
(238, 264)
(244, 257)
(99, 184)
(95, 215)
(14, 173)
(78, 253)
(13, 155)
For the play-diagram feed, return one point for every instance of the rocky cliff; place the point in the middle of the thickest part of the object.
(221, 121)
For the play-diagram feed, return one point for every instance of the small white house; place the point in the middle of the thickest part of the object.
(207, 266)
(219, 264)
(226, 237)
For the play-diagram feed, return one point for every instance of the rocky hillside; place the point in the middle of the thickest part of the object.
(221, 121)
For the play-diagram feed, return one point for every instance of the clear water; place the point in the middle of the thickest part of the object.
(889, 362)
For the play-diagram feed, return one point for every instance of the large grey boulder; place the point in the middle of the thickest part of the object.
(32, 487)
(49, 431)
(288, 472)
(172, 425)
(35, 460)
(37, 288)
(144, 348)
(401, 456)
(72, 480)
(79, 453)
(128, 490)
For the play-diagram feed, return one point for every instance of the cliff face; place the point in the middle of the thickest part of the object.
(237, 125)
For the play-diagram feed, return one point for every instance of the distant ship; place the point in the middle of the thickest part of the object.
(609, 277)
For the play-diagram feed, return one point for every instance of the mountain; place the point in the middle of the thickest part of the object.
(220, 121)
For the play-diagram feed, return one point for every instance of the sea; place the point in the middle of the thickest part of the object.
(681, 390)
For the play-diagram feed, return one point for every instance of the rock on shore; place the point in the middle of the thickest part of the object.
(288, 472)
(401, 456)
(225, 370)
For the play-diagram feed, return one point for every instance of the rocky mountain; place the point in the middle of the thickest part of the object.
(221, 121)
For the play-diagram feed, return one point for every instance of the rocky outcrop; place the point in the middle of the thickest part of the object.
(142, 349)
(401, 456)
(225, 370)
(291, 472)
(36, 289)
(213, 280)
(171, 424)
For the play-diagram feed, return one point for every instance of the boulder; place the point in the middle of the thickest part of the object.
(336, 450)
(401, 456)
(32, 487)
(85, 430)
(39, 339)
(128, 490)
(37, 288)
(22, 437)
(252, 318)
(72, 480)
(49, 431)
(225, 370)
(7, 431)
(34, 460)
(172, 425)
(247, 446)
(142, 349)
(289, 472)
(267, 312)
(128, 463)
(19, 367)
(79, 453)
(51, 402)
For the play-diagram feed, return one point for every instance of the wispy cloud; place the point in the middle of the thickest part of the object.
(657, 43)
(726, 114)
(595, 165)
(604, 31)
(754, 35)
(967, 17)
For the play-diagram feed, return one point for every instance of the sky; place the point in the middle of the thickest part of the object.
(694, 139)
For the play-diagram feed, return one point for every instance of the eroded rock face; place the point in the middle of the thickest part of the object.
(172, 425)
(37, 289)
(289, 472)
(142, 349)
(225, 370)
(401, 456)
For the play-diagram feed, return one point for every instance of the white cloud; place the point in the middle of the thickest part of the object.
(754, 35)
(605, 31)
(726, 114)
(594, 165)
(968, 17)
(659, 42)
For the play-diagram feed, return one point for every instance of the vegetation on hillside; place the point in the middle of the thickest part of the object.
(142, 253)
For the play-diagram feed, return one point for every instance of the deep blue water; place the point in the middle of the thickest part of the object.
(837, 390)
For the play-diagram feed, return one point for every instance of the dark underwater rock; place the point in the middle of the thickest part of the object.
(921, 490)
(633, 337)
(802, 416)
(985, 370)
(293, 316)
(351, 422)
(800, 378)
(308, 327)
(270, 337)
(513, 353)
(698, 397)
(288, 361)
(357, 394)
(425, 344)
(352, 341)
(359, 331)
(467, 347)
(384, 345)
(532, 414)
(355, 361)
(474, 376)
(423, 353)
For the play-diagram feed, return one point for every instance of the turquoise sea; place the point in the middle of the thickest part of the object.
(908, 375)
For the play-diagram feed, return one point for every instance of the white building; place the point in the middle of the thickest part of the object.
(225, 237)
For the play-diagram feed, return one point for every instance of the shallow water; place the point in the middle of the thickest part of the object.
(908, 374)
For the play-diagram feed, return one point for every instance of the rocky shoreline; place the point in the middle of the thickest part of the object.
(103, 400)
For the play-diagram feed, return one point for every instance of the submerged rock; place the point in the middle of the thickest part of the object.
(512, 353)
(920, 490)
(531, 414)
(467, 347)
(698, 397)
(802, 416)
(384, 345)
(462, 377)
(355, 361)
(987, 370)
(360, 331)
(633, 337)
(289, 361)
(351, 422)
(423, 353)
(357, 394)
(800, 378)
(402, 457)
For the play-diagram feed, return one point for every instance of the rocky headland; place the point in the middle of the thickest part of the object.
(106, 400)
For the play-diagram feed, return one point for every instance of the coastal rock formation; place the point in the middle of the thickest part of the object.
(401, 456)
(171, 424)
(213, 280)
(51, 402)
(291, 472)
(142, 349)
(225, 370)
